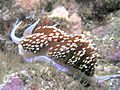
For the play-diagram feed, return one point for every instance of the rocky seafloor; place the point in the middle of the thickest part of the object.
(99, 20)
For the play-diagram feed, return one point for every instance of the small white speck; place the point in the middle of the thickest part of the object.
(69, 40)
(88, 62)
(50, 38)
(82, 40)
(41, 45)
(69, 61)
(38, 42)
(83, 53)
(54, 31)
(56, 49)
(84, 66)
(37, 49)
(55, 39)
(29, 45)
(67, 51)
(79, 52)
(57, 33)
(36, 45)
(50, 53)
(42, 40)
(26, 50)
(58, 45)
(29, 36)
(34, 37)
(72, 49)
(74, 61)
(68, 44)
(51, 34)
(61, 49)
(24, 45)
(30, 40)
(93, 56)
(61, 36)
(26, 40)
(64, 56)
(81, 67)
(38, 28)
(76, 40)
(42, 33)
(37, 39)
(45, 38)
(63, 53)
(22, 42)
(87, 57)
(55, 36)
(33, 42)
(38, 34)
(73, 57)
(32, 46)
(45, 42)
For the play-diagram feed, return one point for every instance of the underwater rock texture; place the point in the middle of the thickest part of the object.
(98, 19)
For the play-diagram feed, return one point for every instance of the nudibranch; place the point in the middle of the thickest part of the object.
(76, 52)
(28, 31)
(49, 44)
(42, 39)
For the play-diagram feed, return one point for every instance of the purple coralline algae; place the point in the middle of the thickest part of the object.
(114, 53)
(14, 83)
